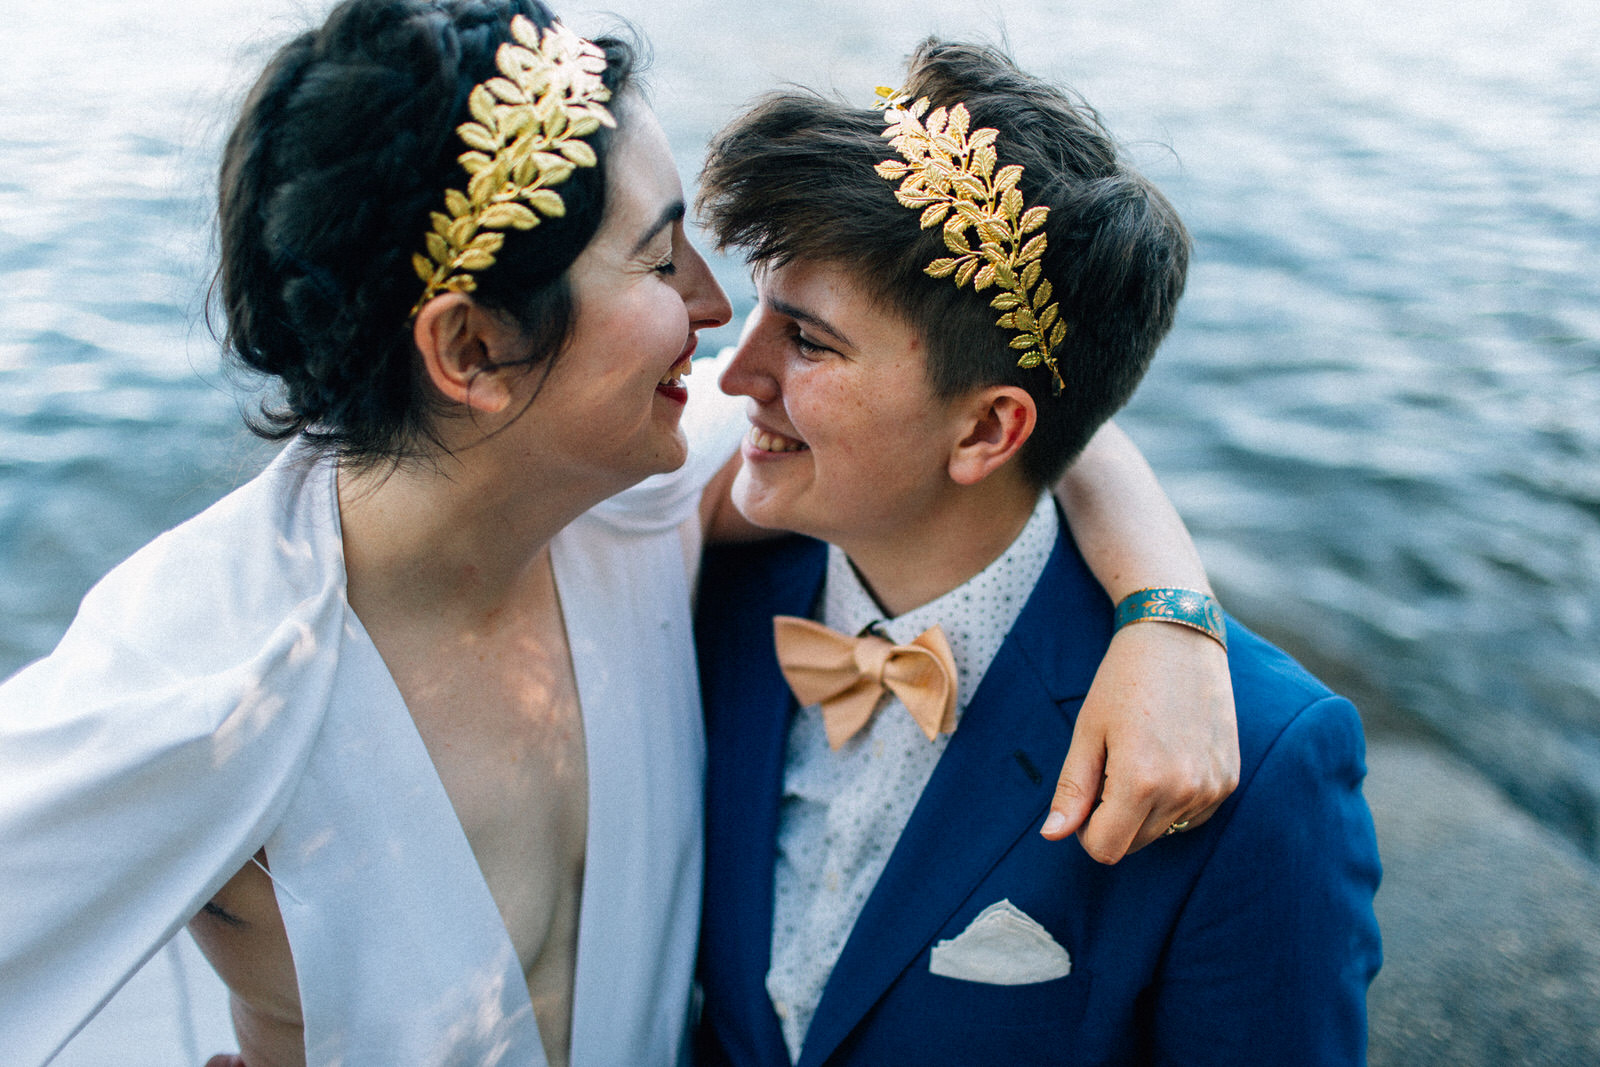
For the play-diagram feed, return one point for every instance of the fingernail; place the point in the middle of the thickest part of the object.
(1056, 823)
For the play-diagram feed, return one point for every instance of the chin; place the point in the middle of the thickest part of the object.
(755, 518)
(672, 455)
(760, 509)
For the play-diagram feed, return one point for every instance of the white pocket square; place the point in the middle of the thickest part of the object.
(1002, 946)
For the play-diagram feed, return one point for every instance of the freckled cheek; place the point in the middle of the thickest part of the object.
(845, 447)
(845, 416)
(857, 469)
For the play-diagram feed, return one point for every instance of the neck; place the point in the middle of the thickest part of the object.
(459, 538)
(942, 549)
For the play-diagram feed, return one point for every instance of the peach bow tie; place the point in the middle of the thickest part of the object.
(849, 675)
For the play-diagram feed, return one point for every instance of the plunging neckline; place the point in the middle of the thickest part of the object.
(398, 932)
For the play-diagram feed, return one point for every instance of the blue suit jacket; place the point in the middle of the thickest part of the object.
(1249, 940)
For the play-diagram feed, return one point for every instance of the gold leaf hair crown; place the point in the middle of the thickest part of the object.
(526, 136)
(949, 175)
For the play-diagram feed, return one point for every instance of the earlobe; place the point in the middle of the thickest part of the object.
(462, 346)
(1003, 418)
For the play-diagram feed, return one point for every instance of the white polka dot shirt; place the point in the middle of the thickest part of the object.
(843, 812)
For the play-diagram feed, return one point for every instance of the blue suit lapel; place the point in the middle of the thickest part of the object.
(993, 784)
(748, 705)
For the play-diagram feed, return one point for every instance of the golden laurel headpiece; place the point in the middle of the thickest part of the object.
(949, 174)
(526, 136)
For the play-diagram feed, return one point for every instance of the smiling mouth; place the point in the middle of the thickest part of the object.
(676, 374)
(765, 441)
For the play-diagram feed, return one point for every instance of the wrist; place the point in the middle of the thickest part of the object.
(1193, 608)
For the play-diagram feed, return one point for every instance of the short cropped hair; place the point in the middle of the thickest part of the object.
(793, 179)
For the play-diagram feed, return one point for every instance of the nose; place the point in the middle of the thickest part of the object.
(750, 372)
(708, 305)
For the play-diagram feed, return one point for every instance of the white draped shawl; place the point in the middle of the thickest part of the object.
(216, 695)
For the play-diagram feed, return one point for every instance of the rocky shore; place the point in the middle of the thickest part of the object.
(1491, 922)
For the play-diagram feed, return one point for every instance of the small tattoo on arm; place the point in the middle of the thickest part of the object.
(222, 915)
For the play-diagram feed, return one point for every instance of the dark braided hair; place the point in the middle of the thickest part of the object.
(344, 146)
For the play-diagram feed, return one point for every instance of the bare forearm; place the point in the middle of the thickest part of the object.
(1155, 743)
(1129, 532)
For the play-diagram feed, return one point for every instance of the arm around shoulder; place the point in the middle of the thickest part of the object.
(1155, 743)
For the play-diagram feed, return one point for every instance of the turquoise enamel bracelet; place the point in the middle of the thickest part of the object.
(1186, 607)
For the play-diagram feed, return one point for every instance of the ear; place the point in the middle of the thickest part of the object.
(463, 346)
(1002, 418)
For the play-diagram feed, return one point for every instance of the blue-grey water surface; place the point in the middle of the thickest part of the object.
(1379, 411)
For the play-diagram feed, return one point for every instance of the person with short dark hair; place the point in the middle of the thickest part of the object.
(955, 290)
(407, 729)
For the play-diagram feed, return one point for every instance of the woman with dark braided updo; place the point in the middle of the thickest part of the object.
(407, 728)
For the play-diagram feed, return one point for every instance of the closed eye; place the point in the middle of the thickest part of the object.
(809, 348)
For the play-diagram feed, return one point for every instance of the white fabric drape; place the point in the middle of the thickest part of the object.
(216, 695)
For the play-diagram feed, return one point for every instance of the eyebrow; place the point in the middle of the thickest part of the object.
(800, 314)
(673, 213)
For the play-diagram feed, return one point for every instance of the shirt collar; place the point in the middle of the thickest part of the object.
(976, 616)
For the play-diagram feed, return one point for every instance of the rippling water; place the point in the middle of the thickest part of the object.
(1378, 411)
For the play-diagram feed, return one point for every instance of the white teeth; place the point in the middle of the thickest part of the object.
(771, 442)
(678, 372)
